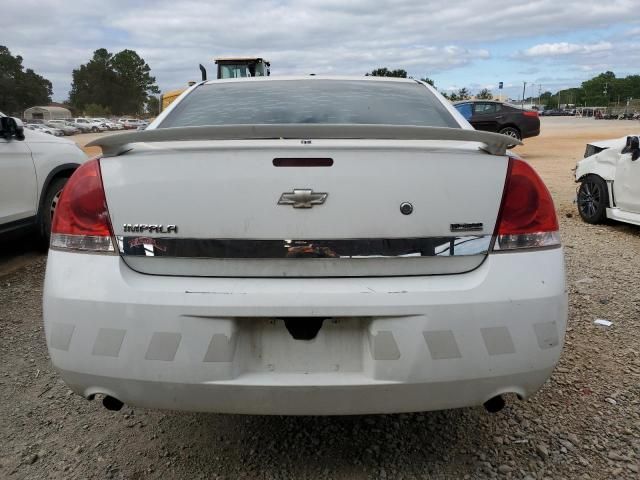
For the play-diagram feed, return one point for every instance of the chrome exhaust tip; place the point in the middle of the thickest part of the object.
(111, 403)
(494, 404)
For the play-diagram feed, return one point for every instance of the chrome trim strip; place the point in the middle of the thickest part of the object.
(362, 248)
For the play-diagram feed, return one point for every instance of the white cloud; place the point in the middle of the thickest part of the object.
(426, 37)
(565, 48)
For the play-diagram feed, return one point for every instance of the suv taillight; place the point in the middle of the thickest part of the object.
(527, 216)
(81, 220)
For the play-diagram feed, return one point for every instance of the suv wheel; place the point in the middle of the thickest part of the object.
(593, 199)
(49, 206)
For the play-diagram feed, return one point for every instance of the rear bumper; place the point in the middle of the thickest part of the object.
(532, 132)
(389, 344)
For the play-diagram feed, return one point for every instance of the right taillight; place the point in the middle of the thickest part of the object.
(527, 216)
(81, 220)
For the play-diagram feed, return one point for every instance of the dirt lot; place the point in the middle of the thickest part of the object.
(584, 424)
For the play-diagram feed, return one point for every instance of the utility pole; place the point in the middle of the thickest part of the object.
(539, 93)
(524, 87)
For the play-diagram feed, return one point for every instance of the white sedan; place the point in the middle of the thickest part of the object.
(306, 246)
(609, 178)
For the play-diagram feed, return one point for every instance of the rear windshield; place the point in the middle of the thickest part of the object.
(310, 101)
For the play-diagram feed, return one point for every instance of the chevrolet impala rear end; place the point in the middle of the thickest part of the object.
(305, 246)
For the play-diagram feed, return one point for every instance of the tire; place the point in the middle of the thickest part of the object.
(593, 199)
(48, 207)
(511, 132)
(95, 129)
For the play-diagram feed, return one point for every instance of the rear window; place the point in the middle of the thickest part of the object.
(310, 101)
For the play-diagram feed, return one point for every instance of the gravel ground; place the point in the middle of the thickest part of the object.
(584, 424)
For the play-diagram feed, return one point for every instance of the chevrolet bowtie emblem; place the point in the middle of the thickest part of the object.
(302, 198)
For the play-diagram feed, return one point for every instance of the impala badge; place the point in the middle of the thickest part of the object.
(302, 198)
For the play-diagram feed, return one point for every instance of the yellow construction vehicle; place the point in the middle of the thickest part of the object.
(226, 68)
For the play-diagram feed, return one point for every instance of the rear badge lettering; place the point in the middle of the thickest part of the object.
(467, 227)
(146, 242)
(143, 227)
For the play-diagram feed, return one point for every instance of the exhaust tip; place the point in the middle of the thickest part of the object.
(494, 404)
(111, 403)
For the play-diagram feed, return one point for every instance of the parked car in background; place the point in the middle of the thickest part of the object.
(64, 126)
(609, 178)
(355, 255)
(91, 124)
(107, 123)
(45, 129)
(131, 123)
(82, 127)
(33, 169)
(500, 117)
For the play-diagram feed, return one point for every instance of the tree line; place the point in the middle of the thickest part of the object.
(602, 90)
(122, 84)
(20, 88)
(108, 84)
(461, 94)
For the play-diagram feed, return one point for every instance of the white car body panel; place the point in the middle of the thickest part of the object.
(18, 184)
(622, 176)
(604, 163)
(228, 179)
(397, 344)
(25, 168)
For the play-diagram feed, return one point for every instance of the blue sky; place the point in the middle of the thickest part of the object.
(472, 44)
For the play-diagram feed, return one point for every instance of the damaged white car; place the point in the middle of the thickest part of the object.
(609, 178)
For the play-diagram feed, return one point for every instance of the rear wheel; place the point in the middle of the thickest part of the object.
(593, 199)
(511, 132)
(49, 206)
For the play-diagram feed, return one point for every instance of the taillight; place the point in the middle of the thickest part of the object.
(81, 219)
(530, 113)
(527, 216)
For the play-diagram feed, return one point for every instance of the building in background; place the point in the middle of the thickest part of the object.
(51, 112)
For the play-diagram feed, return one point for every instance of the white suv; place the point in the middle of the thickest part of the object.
(94, 125)
(259, 251)
(33, 169)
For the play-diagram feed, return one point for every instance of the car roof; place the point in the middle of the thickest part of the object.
(311, 78)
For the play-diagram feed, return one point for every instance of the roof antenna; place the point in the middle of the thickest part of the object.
(204, 72)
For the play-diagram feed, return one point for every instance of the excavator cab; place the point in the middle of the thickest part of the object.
(242, 67)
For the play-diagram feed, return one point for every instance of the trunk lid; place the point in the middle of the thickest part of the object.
(233, 210)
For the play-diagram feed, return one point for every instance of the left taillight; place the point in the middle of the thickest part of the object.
(81, 220)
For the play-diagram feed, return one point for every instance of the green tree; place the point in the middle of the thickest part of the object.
(485, 94)
(463, 94)
(385, 72)
(94, 110)
(153, 106)
(429, 81)
(121, 82)
(19, 88)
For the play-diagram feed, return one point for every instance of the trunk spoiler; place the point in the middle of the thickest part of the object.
(492, 143)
